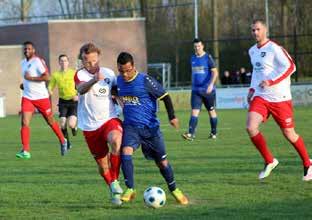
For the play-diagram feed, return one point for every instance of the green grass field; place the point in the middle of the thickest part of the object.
(219, 176)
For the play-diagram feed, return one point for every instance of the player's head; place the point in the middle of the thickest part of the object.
(89, 54)
(198, 46)
(29, 49)
(259, 30)
(125, 65)
(63, 61)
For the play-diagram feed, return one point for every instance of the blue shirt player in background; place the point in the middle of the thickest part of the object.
(139, 93)
(204, 77)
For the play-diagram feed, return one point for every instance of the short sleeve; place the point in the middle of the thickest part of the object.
(211, 62)
(153, 87)
(41, 66)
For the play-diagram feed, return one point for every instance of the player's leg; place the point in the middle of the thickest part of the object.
(283, 115)
(167, 172)
(210, 104)
(196, 103)
(63, 111)
(130, 142)
(44, 107)
(27, 112)
(72, 118)
(154, 148)
(113, 131)
(258, 112)
(127, 170)
(97, 145)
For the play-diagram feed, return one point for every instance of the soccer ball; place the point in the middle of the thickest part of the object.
(154, 197)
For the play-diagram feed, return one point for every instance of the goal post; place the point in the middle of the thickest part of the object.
(161, 72)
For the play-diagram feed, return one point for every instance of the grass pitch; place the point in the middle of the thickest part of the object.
(219, 176)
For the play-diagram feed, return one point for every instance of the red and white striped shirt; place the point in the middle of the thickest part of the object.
(34, 90)
(271, 62)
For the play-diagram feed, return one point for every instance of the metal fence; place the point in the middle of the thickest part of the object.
(172, 24)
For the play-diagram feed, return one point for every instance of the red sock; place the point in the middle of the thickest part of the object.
(25, 136)
(55, 127)
(115, 166)
(107, 177)
(302, 151)
(260, 143)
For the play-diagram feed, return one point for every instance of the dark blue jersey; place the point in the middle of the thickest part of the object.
(139, 97)
(201, 71)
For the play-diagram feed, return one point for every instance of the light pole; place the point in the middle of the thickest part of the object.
(196, 18)
(267, 16)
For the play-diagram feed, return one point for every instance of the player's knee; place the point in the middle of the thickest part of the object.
(162, 164)
(290, 134)
(251, 129)
(127, 151)
(72, 122)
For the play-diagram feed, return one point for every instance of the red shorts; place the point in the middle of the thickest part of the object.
(43, 106)
(97, 139)
(282, 112)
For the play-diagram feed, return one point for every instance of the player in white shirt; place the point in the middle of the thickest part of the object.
(35, 96)
(270, 94)
(97, 116)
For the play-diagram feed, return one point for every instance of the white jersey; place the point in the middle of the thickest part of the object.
(35, 67)
(271, 62)
(96, 106)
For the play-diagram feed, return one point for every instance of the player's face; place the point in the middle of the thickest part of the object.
(258, 31)
(199, 48)
(91, 62)
(29, 51)
(64, 63)
(127, 71)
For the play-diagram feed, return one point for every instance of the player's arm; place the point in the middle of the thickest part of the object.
(52, 84)
(157, 91)
(252, 83)
(84, 87)
(43, 77)
(285, 65)
(41, 68)
(214, 74)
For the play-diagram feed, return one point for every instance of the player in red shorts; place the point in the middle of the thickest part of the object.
(97, 116)
(35, 96)
(270, 94)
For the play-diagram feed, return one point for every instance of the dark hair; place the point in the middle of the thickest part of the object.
(29, 43)
(259, 21)
(124, 58)
(197, 40)
(62, 55)
(88, 48)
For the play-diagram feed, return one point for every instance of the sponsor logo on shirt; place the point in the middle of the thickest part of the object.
(198, 69)
(263, 54)
(131, 100)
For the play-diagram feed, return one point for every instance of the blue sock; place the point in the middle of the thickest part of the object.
(167, 173)
(213, 124)
(127, 170)
(193, 124)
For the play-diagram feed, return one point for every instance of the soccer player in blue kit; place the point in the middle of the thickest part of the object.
(204, 77)
(139, 94)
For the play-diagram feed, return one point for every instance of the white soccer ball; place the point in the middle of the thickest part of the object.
(154, 197)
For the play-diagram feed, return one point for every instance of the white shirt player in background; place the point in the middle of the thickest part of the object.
(270, 94)
(97, 117)
(35, 96)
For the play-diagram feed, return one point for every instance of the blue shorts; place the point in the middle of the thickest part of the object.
(151, 140)
(209, 100)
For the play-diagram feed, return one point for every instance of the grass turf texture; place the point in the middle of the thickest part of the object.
(219, 176)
